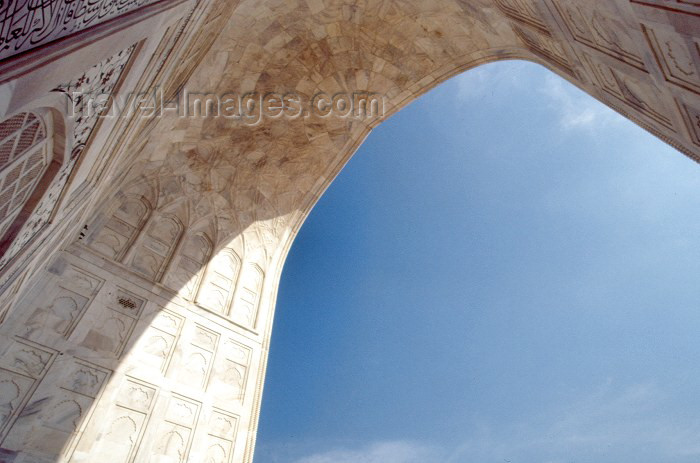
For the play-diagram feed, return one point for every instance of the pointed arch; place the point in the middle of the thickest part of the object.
(154, 249)
(216, 292)
(32, 151)
(122, 227)
(185, 275)
(245, 310)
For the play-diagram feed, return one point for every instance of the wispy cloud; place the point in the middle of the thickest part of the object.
(482, 81)
(576, 109)
(609, 425)
(382, 452)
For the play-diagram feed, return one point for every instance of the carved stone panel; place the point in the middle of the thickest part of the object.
(53, 417)
(546, 47)
(245, 311)
(231, 372)
(154, 249)
(197, 358)
(100, 79)
(592, 25)
(691, 116)
(219, 281)
(678, 57)
(525, 12)
(172, 439)
(222, 427)
(187, 271)
(640, 97)
(60, 305)
(121, 229)
(110, 325)
(681, 6)
(154, 349)
(119, 431)
(22, 365)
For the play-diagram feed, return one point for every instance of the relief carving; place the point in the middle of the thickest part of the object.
(635, 94)
(60, 315)
(196, 369)
(154, 349)
(100, 79)
(525, 12)
(122, 228)
(199, 353)
(63, 303)
(189, 268)
(111, 321)
(223, 425)
(22, 367)
(228, 381)
(691, 115)
(155, 249)
(219, 281)
(546, 47)
(217, 453)
(87, 379)
(110, 334)
(172, 445)
(65, 415)
(118, 432)
(26, 359)
(50, 421)
(174, 434)
(246, 309)
(681, 6)
(120, 439)
(678, 58)
(593, 27)
(13, 390)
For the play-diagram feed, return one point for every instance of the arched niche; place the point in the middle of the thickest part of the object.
(32, 151)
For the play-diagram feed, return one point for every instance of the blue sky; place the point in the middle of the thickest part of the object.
(506, 271)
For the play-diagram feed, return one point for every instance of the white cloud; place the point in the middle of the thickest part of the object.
(610, 425)
(576, 108)
(381, 452)
(484, 80)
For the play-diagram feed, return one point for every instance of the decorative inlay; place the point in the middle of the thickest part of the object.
(100, 79)
(25, 24)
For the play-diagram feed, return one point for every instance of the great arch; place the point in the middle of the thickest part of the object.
(138, 292)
